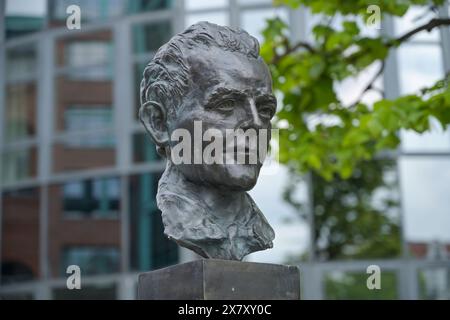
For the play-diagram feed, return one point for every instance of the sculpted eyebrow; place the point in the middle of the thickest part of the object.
(266, 97)
(223, 93)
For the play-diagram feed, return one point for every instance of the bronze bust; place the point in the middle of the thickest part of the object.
(213, 76)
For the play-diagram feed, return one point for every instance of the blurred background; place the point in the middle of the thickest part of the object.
(79, 175)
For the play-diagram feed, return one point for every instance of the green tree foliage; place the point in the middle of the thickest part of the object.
(339, 154)
(356, 217)
(306, 74)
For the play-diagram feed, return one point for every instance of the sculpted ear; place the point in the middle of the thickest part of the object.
(153, 116)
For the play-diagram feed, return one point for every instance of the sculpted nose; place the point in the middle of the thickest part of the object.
(252, 119)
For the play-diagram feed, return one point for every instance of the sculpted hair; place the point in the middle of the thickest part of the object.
(166, 77)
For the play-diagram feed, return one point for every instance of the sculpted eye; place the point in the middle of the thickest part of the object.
(226, 105)
(266, 110)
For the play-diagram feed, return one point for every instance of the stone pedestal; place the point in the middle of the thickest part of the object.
(211, 279)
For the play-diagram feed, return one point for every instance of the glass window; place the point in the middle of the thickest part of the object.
(425, 185)
(144, 149)
(91, 260)
(93, 73)
(99, 198)
(149, 37)
(84, 102)
(138, 72)
(20, 94)
(87, 49)
(149, 247)
(353, 285)
(253, 2)
(201, 4)
(20, 236)
(254, 21)
(88, 143)
(19, 164)
(91, 10)
(89, 99)
(434, 283)
(81, 118)
(23, 16)
(88, 58)
(87, 53)
(135, 6)
(217, 17)
(84, 151)
(21, 63)
(95, 10)
(20, 111)
(83, 226)
(84, 90)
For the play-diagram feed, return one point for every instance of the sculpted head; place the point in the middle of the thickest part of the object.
(215, 75)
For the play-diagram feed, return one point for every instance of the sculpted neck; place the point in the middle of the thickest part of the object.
(223, 204)
(209, 221)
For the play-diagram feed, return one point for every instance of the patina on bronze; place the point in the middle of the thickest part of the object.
(215, 75)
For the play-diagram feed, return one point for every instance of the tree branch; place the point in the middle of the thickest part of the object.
(430, 25)
(290, 49)
(369, 85)
(304, 45)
